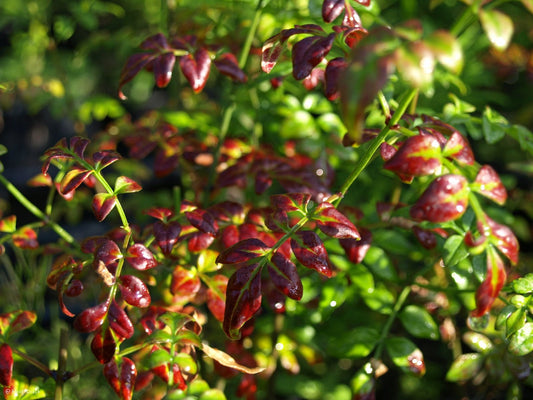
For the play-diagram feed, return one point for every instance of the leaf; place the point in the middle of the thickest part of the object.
(333, 223)
(102, 205)
(310, 251)
(332, 76)
(419, 155)
(379, 299)
(25, 238)
(119, 321)
(416, 64)
(184, 284)
(489, 289)
(196, 68)
(243, 251)
(356, 249)
(134, 291)
(228, 361)
(454, 251)
(8, 224)
(521, 342)
(447, 50)
(16, 321)
(216, 296)
(140, 257)
(478, 342)
(356, 343)
(291, 201)
(498, 27)
(445, 199)
(458, 149)
(243, 299)
(523, 285)
(419, 322)
(494, 126)
(465, 367)
(502, 237)
(103, 346)
(308, 53)
(166, 235)
(488, 184)
(406, 355)
(228, 65)
(331, 9)
(133, 66)
(91, 318)
(104, 159)
(163, 65)
(72, 179)
(6, 365)
(284, 275)
(123, 184)
(203, 221)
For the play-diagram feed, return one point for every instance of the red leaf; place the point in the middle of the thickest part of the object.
(140, 257)
(356, 249)
(290, 201)
(488, 184)
(103, 346)
(331, 9)
(230, 236)
(73, 179)
(16, 321)
(166, 235)
(312, 80)
(106, 251)
(228, 65)
(6, 365)
(216, 296)
(111, 375)
(243, 251)
(490, 288)
(203, 221)
(119, 321)
(123, 184)
(308, 53)
(284, 276)
(133, 66)
(8, 224)
(163, 66)
(334, 70)
(502, 237)
(105, 158)
(157, 42)
(134, 291)
(198, 241)
(25, 238)
(243, 299)
(75, 288)
(160, 213)
(419, 155)
(445, 199)
(333, 223)
(92, 318)
(425, 237)
(310, 251)
(458, 149)
(78, 145)
(196, 68)
(184, 285)
(102, 205)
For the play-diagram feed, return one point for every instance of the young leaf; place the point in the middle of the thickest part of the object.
(140, 257)
(489, 289)
(103, 346)
(333, 223)
(228, 65)
(243, 251)
(216, 296)
(134, 291)
(458, 149)
(488, 184)
(184, 285)
(243, 299)
(502, 237)
(291, 201)
(332, 75)
(419, 155)
(92, 318)
(8, 224)
(308, 53)
(196, 68)
(163, 66)
(123, 184)
(284, 276)
(166, 235)
(406, 355)
(203, 221)
(119, 321)
(128, 375)
(73, 178)
(498, 26)
(310, 251)
(25, 238)
(521, 342)
(102, 205)
(331, 9)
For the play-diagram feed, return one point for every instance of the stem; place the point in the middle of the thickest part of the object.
(62, 364)
(33, 361)
(465, 19)
(376, 143)
(35, 211)
(251, 33)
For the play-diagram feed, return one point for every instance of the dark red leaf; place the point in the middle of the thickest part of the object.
(78, 145)
(458, 149)
(230, 236)
(228, 65)
(488, 184)
(334, 70)
(105, 158)
(73, 179)
(140, 257)
(184, 285)
(425, 237)
(203, 221)
(216, 296)
(310, 251)
(196, 68)
(6, 365)
(331, 9)
(333, 223)
(160, 213)
(356, 249)
(134, 291)
(102, 205)
(25, 238)
(308, 53)
(133, 66)
(502, 237)
(75, 288)
(284, 276)
(107, 252)
(103, 346)
(490, 288)
(166, 235)
(92, 318)
(445, 199)
(111, 375)
(243, 299)
(290, 201)
(243, 251)
(198, 241)
(163, 66)
(157, 42)
(21, 320)
(419, 155)
(312, 80)
(119, 321)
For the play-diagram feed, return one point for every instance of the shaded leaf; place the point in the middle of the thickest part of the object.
(419, 322)
(166, 235)
(102, 205)
(203, 221)
(308, 53)
(103, 346)
(498, 26)
(6, 365)
(243, 251)
(25, 238)
(406, 355)
(334, 223)
(228, 65)
(310, 251)
(465, 367)
(284, 276)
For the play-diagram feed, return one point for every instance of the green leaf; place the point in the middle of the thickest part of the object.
(419, 322)
(521, 342)
(158, 357)
(524, 137)
(380, 299)
(454, 250)
(494, 126)
(361, 277)
(186, 363)
(3, 149)
(478, 342)
(465, 367)
(523, 285)
(213, 394)
(357, 343)
(498, 26)
(405, 354)
(379, 263)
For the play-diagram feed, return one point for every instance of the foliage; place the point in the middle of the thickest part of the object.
(305, 216)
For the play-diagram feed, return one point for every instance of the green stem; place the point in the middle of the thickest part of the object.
(466, 18)
(35, 211)
(376, 143)
(32, 361)
(251, 33)
(62, 364)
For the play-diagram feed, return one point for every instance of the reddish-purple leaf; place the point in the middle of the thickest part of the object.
(74, 288)
(196, 68)
(243, 251)
(166, 235)
(163, 66)
(308, 53)
(445, 199)
(92, 318)
(103, 346)
(331, 9)
(425, 237)
(73, 179)
(489, 289)
(160, 213)
(356, 249)
(216, 296)
(502, 237)
(418, 155)
(123, 184)
(333, 72)
(157, 42)
(25, 238)
(458, 149)
(105, 158)
(111, 375)
(290, 201)
(6, 365)
(310, 251)
(140, 257)
(333, 223)
(284, 276)
(184, 285)
(102, 205)
(119, 321)
(133, 66)
(228, 65)
(134, 291)
(243, 299)
(128, 376)
(228, 211)
(107, 251)
(198, 241)
(78, 145)
(230, 236)
(203, 221)
(488, 184)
